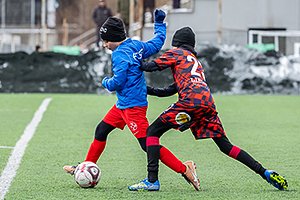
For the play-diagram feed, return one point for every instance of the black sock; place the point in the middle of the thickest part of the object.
(246, 159)
(153, 162)
(235, 152)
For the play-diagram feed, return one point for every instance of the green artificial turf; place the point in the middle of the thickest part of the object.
(267, 127)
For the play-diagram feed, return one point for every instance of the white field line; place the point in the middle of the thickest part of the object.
(6, 147)
(15, 158)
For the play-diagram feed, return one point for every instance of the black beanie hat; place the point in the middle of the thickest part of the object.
(113, 30)
(182, 36)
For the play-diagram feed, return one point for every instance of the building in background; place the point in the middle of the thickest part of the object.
(229, 21)
(28, 23)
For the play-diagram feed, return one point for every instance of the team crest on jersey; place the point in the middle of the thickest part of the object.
(182, 118)
(138, 55)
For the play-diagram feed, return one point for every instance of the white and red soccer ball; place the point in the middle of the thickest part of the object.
(87, 174)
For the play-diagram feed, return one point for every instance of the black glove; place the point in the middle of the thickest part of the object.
(159, 16)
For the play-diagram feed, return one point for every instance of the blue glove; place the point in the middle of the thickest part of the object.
(159, 16)
(104, 82)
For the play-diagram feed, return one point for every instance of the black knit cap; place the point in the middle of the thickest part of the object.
(183, 36)
(113, 30)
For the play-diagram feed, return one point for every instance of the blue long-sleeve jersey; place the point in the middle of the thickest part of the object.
(128, 80)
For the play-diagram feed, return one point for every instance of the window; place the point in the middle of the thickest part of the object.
(38, 11)
(1, 13)
(176, 5)
(182, 5)
(20, 13)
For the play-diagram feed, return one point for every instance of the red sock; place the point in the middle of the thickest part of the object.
(95, 150)
(170, 160)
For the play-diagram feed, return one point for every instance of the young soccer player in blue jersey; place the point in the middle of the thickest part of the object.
(130, 85)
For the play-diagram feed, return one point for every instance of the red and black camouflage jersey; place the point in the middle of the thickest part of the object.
(189, 77)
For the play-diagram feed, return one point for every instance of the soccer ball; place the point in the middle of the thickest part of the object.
(87, 174)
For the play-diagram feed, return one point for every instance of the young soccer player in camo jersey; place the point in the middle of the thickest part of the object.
(195, 109)
(129, 83)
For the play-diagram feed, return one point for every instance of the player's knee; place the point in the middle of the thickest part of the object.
(157, 128)
(224, 150)
(102, 131)
(142, 142)
(151, 131)
(224, 144)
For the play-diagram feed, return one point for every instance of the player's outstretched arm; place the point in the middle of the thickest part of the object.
(162, 92)
(155, 44)
(149, 66)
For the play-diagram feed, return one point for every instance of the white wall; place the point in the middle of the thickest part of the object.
(237, 17)
(243, 14)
